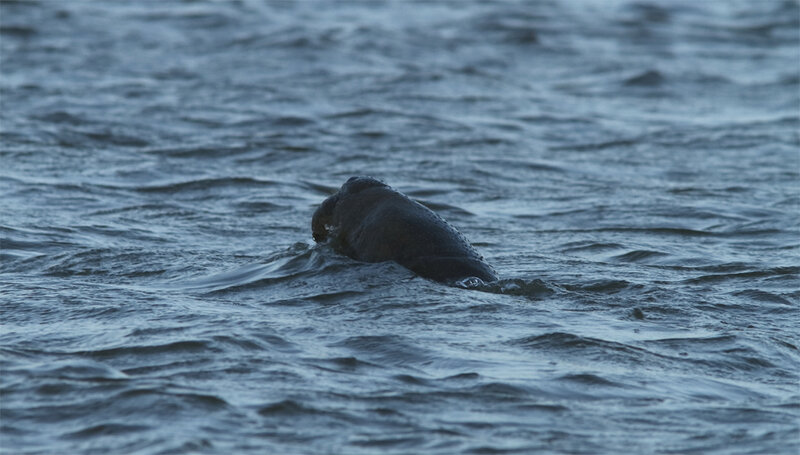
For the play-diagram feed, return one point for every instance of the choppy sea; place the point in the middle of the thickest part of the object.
(631, 169)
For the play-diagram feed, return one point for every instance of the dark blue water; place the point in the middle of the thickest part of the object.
(631, 169)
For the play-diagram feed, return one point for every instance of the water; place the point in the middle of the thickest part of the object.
(630, 169)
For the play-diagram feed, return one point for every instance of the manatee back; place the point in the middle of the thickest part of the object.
(397, 228)
(374, 223)
(450, 269)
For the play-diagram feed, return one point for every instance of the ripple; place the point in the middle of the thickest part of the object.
(535, 288)
(517, 29)
(597, 146)
(411, 379)
(140, 351)
(499, 391)
(76, 369)
(103, 261)
(257, 276)
(18, 31)
(463, 377)
(649, 78)
(589, 380)
(201, 151)
(639, 256)
(106, 429)
(601, 286)
(776, 272)
(165, 399)
(563, 340)
(62, 117)
(343, 364)
(763, 296)
(385, 349)
(305, 412)
(206, 184)
(108, 137)
(287, 408)
(396, 442)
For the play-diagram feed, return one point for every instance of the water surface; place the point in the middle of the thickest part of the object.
(629, 168)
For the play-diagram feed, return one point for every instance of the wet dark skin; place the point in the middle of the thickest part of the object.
(369, 221)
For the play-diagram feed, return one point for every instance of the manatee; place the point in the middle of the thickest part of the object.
(370, 221)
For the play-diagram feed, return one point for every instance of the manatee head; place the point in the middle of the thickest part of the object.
(359, 183)
(323, 216)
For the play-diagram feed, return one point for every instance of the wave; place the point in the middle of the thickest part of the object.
(386, 350)
(299, 260)
(773, 272)
(206, 184)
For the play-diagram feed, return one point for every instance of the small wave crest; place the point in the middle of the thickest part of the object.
(298, 260)
(532, 288)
